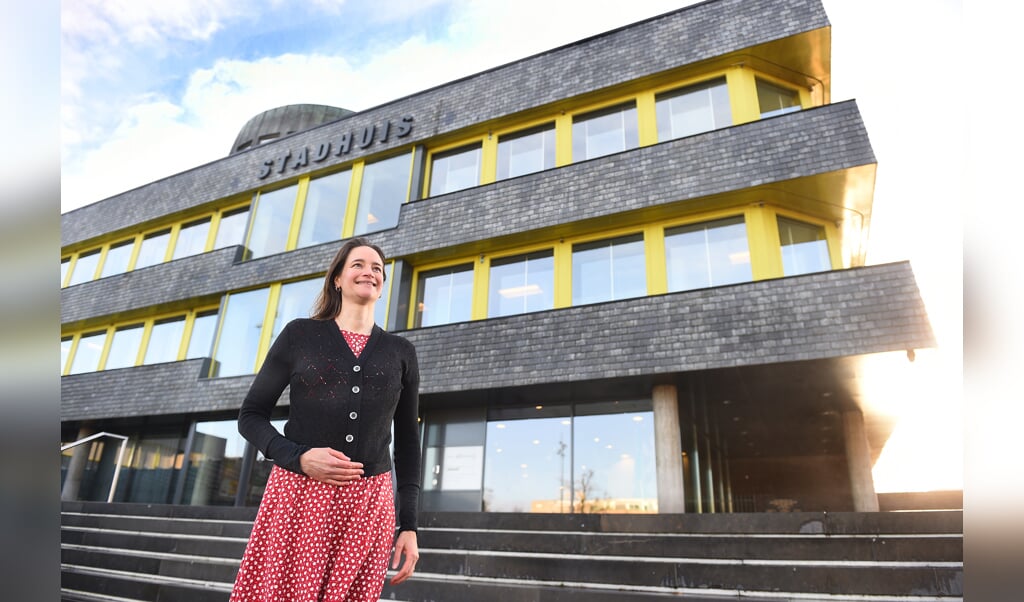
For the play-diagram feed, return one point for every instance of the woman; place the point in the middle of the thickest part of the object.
(326, 523)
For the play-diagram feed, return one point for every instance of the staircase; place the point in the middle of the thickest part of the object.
(136, 552)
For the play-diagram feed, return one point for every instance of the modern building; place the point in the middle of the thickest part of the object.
(633, 268)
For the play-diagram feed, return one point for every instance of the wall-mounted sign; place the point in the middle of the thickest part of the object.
(337, 146)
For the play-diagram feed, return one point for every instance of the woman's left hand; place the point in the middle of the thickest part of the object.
(406, 546)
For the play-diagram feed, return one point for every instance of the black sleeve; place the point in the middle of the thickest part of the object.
(254, 416)
(407, 442)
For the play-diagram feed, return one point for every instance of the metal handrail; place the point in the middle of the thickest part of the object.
(120, 456)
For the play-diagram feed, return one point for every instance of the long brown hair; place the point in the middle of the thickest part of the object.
(328, 302)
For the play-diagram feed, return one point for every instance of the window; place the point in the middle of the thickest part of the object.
(153, 249)
(124, 347)
(215, 464)
(445, 296)
(85, 267)
(528, 459)
(526, 152)
(64, 265)
(192, 239)
(87, 355)
(804, 248)
(323, 217)
(604, 132)
(608, 270)
(613, 457)
(380, 316)
(708, 254)
(231, 230)
(164, 341)
(522, 284)
(693, 110)
(65, 351)
(296, 301)
(385, 187)
(271, 222)
(240, 330)
(117, 259)
(200, 342)
(455, 170)
(776, 100)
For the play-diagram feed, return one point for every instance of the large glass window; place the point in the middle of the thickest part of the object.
(192, 239)
(64, 265)
(693, 109)
(153, 249)
(526, 152)
(296, 301)
(380, 309)
(708, 254)
(240, 329)
(445, 296)
(455, 170)
(88, 352)
(776, 100)
(124, 347)
(528, 461)
(85, 267)
(214, 464)
(384, 188)
(453, 460)
(522, 284)
(271, 222)
(231, 230)
(604, 132)
(200, 341)
(65, 351)
(151, 469)
(117, 258)
(804, 248)
(323, 216)
(613, 458)
(261, 470)
(164, 341)
(608, 270)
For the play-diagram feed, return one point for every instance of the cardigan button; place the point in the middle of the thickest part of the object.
(355, 389)
(353, 415)
(356, 368)
(349, 438)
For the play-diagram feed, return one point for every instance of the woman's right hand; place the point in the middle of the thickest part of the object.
(330, 466)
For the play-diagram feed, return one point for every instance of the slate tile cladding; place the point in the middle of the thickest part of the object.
(815, 316)
(799, 144)
(671, 40)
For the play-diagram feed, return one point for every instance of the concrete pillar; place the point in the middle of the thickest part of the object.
(76, 466)
(858, 459)
(668, 450)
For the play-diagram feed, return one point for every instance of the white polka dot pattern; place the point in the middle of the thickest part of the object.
(314, 542)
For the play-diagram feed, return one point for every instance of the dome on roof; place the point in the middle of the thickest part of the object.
(279, 122)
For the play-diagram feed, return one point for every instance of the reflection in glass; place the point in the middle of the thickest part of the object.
(117, 259)
(271, 221)
(87, 354)
(85, 268)
(380, 315)
(608, 270)
(164, 341)
(124, 347)
(693, 110)
(214, 464)
(296, 301)
(153, 249)
(776, 100)
(65, 351)
(455, 170)
(240, 330)
(261, 471)
(384, 188)
(524, 153)
(604, 132)
(64, 265)
(527, 464)
(200, 342)
(522, 284)
(231, 230)
(323, 216)
(804, 249)
(150, 470)
(192, 239)
(708, 254)
(613, 458)
(445, 296)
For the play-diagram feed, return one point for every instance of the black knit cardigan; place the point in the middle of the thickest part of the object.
(342, 402)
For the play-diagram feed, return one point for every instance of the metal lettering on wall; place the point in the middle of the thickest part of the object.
(341, 145)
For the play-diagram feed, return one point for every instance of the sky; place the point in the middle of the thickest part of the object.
(150, 89)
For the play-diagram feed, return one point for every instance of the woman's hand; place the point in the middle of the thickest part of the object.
(330, 466)
(406, 546)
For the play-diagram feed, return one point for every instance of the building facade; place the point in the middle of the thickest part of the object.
(633, 268)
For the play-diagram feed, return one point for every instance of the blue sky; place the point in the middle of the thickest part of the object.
(150, 89)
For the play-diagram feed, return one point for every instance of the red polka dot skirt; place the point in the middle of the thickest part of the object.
(314, 542)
